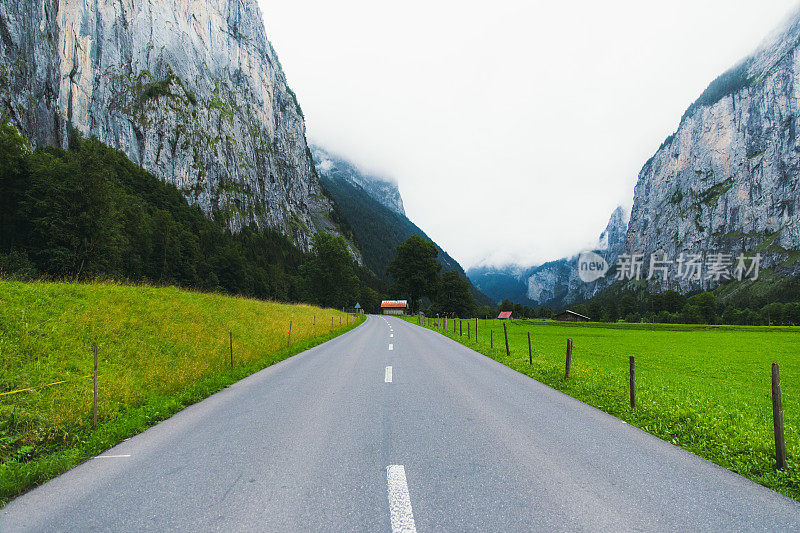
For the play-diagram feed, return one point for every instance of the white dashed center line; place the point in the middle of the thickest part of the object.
(391, 347)
(400, 511)
(391, 335)
(388, 376)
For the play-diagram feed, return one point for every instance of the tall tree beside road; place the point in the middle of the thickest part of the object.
(330, 276)
(453, 296)
(415, 270)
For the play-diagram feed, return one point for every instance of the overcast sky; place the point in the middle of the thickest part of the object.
(513, 128)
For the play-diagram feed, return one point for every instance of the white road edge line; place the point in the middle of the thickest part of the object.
(110, 456)
(402, 516)
(391, 346)
(388, 376)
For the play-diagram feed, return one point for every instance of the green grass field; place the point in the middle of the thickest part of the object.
(705, 389)
(160, 349)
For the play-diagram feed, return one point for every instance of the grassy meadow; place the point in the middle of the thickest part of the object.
(160, 349)
(704, 388)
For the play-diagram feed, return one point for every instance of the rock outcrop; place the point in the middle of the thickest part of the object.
(191, 90)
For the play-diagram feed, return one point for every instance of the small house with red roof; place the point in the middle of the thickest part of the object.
(394, 307)
(504, 315)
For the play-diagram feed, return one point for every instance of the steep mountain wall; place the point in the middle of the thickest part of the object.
(191, 90)
(728, 179)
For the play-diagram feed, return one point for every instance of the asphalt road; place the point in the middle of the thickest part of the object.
(445, 440)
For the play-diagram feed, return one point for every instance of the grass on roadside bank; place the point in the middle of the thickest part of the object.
(705, 389)
(160, 349)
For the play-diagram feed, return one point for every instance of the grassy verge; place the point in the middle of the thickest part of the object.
(704, 389)
(160, 349)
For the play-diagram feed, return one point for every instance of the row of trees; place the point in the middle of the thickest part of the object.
(671, 307)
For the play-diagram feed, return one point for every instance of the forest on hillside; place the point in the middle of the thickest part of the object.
(89, 213)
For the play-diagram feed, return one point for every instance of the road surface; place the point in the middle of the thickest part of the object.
(394, 427)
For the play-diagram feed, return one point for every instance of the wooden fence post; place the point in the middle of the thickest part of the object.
(569, 359)
(476, 330)
(315, 325)
(289, 341)
(505, 332)
(777, 418)
(331, 324)
(230, 334)
(530, 352)
(491, 339)
(460, 328)
(633, 382)
(94, 403)
(468, 337)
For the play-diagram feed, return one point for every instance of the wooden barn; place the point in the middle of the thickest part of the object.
(571, 316)
(394, 307)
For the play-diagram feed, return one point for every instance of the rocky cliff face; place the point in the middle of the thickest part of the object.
(383, 190)
(189, 89)
(728, 179)
(613, 238)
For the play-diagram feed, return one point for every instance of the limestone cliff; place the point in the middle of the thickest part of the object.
(189, 89)
(728, 179)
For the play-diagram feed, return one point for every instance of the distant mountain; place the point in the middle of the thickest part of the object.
(378, 223)
(555, 283)
(502, 282)
(383, 190)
